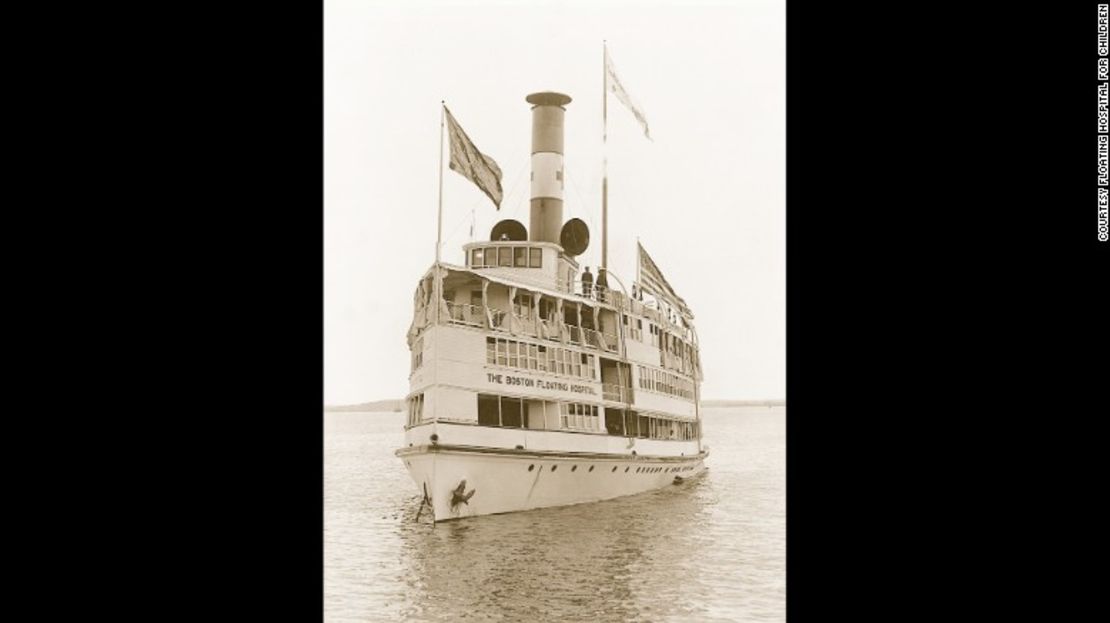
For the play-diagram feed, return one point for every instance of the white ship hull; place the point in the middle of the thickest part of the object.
(502, 481)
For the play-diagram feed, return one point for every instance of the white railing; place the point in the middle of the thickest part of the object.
(498, 319)
(601, 340)
(573, 333)
(473, 315)
(549, 329)
(601, 294)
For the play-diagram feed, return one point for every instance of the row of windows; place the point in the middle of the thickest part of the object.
(629, 423)
(494, 410)
(507, 411)
(573, 415)
(520, 257)
(540, 357)
(416, 409)
(666, 383)
(659, 338)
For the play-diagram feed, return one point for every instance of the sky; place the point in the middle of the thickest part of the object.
(706, 197)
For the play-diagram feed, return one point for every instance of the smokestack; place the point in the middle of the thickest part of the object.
(546, 217)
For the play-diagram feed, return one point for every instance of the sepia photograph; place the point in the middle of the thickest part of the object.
(554, 310)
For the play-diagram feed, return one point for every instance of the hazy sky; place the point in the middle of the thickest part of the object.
(706, 197)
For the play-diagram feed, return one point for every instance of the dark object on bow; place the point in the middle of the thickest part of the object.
(457, 496)
(425, 500)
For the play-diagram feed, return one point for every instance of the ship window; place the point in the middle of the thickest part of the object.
(491, 350)
(505, 256)
(532, 356)
(541, 358)
(642, 432)
(490, 258)
(511, 412)
(536, 258)
(476, 257)
(613, 424)
(521, 257)
(512, 353)
(488, 410)
(502, 352)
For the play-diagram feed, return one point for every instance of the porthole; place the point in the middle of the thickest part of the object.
(573, 467)
(614, 468)
(591, 468)
(532, 467)
(553, 467)
(637, 470)
(626, 469)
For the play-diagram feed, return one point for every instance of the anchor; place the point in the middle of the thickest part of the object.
(458, 496)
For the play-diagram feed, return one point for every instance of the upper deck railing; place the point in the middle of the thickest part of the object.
(500, 320)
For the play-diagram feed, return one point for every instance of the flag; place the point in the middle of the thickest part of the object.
(618, 89)
(651, 277)
(472, 164)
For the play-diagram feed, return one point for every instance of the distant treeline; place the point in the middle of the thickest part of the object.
(743, 403)
(377, 405)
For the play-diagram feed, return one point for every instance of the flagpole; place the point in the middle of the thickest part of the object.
(604, 157)
(439, 240)
(439, 220)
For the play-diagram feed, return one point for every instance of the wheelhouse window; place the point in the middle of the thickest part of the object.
(535, 258)
(476, 257)
(520, 255)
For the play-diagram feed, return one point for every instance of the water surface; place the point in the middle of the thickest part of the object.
(712, 549)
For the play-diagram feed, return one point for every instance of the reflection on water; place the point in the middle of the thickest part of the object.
(712, 549)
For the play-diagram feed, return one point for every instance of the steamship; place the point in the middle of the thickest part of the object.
(533, 387)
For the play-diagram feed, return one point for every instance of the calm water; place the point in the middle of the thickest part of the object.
(713, 549)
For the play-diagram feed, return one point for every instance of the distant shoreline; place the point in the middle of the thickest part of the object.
(743, 403)
(390, 406)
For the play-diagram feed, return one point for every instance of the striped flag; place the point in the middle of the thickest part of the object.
(618, 89)
(651, 278)
(472, 164)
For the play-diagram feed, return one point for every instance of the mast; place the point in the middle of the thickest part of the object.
(604, 157)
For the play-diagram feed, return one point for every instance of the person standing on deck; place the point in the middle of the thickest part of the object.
(602, 284)
(587, 283)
